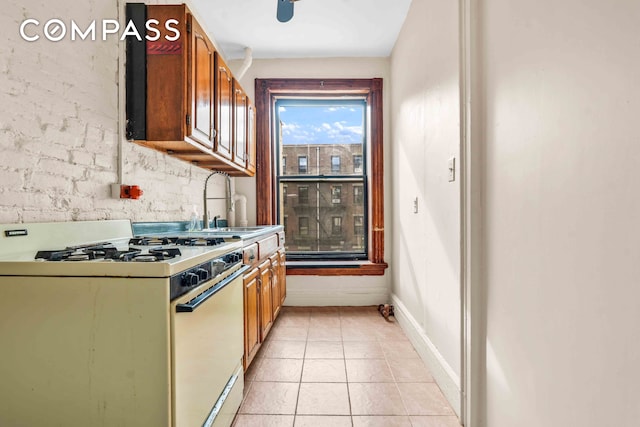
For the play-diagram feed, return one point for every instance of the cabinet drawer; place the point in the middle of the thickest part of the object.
(268, 246)
(250, 254)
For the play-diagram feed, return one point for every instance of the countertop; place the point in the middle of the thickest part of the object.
(246, 234)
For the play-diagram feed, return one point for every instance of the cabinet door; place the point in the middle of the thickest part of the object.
(266, 312)
(239, 126)
(275, 284)
(251, 316)
(200, 121)
(283, 276)
(223, 108)
(251, 138)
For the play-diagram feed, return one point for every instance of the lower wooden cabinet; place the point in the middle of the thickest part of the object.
(266, 310)
(251, 315)
(282, 274)
(276, 301)
(264, 294)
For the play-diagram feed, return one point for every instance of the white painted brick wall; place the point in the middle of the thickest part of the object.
(59, 130)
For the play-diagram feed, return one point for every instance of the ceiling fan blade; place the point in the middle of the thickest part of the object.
(285, 10)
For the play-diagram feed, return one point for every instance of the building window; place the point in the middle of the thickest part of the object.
(358, 195)
(321, 123)
(284, 195)
(303, 225)
(357, 163)
(302, 164)
(284, 165)
(336, 194)
(303, 195)
(336, 225)
(335, 164)
(358, 225)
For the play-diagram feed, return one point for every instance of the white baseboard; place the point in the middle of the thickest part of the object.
(446, 378)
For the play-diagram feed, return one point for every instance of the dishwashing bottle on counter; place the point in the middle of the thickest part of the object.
(194, 219)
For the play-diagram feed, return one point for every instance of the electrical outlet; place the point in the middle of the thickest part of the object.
(415, 205)
(452, 169)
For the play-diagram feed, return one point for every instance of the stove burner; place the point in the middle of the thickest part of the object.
(199, 241)
(151, 241)
(77, 253)
(165, 253)
(144, 258)
(125, 256)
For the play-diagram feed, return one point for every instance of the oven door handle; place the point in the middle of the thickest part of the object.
(197, 301)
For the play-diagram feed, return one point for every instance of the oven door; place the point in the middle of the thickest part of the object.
(207, 348)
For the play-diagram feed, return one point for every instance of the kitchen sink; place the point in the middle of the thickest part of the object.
(233, 229)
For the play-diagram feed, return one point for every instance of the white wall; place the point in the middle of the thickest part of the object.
(310, 290)
(561, 109)
(59, 132)
(425, 122)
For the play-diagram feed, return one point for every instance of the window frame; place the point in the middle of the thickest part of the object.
(304, 202)
(266, 93)
(306, 165)
(336, 226)
(337, 165)
(354, 163)
(336, 194)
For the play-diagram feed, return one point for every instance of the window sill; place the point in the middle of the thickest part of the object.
(335, 268)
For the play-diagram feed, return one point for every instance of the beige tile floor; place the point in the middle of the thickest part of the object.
(340, 366)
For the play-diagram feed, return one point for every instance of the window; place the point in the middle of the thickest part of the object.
(336, 225)
(335, 164)
(357, 163)
(358, 195)
(303, 195)
(302, 164)
(358, 225)
(303, 225)
(320, 133)
(284, 195)
(336, 194)
(343, 124)
(284, 165)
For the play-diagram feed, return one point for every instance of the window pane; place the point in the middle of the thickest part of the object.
(302, 164)
(335, 164)
(303, 195)
(336, 194)
(358, 195)
(327, 139)
(357, 163)
(316, 223)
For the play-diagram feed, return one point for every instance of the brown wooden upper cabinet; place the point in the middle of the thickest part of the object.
(240, 105)
(195, 110)
(224, 108)
(201, 127)
(251, 138)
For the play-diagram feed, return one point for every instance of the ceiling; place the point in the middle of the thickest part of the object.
(319, 28)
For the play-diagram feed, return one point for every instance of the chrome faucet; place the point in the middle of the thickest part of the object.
(205, 217)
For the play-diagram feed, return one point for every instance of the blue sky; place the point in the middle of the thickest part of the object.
(321, 124)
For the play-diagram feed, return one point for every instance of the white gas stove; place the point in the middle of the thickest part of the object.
(104, 328)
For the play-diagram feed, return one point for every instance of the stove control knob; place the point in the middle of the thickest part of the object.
(202, 274)
(190, 279)
(237, 257)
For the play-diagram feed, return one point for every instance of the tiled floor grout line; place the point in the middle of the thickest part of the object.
(355, 322)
